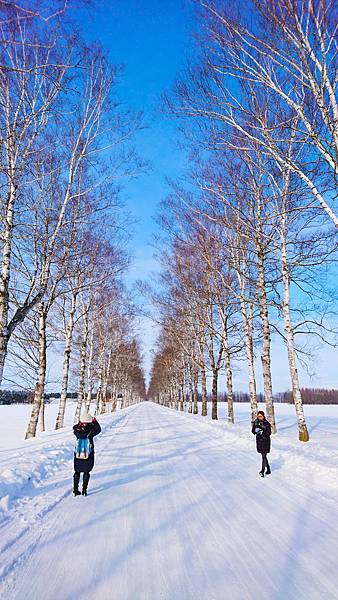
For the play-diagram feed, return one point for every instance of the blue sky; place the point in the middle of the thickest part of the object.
(152, 39)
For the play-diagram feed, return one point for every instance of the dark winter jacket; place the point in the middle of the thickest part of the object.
(81, 431)
(262, 431)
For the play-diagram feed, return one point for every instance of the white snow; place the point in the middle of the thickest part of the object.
(175, 511)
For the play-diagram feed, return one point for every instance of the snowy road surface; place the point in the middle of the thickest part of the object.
(176, 511)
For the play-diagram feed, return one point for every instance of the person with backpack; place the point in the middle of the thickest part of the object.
(261, 428)
(84, 432)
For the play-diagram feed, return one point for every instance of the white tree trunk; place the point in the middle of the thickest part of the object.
(246, 312)
(66, 361)
(90, 371)
(266, 346)
(185, 386)
(195, 411)
(228, 370)
(105, 383)
(99, 387)
(5, 274)
(214, 394)
(40, 383)
(204, 392)
(191, 389)
(297, 397)
(114, 390)
(83, 359)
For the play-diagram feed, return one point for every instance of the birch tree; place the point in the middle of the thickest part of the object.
(33, 74)
(287, 53)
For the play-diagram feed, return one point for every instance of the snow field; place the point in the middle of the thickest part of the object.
(314, 463)
(176, 510)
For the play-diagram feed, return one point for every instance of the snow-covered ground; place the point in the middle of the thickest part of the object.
(317, 459)
(176, 509)
(14, 419)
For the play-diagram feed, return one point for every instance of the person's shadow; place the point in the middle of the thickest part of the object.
(276, 463)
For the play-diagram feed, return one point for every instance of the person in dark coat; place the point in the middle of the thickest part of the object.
(261, 428)
(84, 431)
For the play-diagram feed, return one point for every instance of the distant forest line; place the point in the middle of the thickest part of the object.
(309, 396)
(27, 397)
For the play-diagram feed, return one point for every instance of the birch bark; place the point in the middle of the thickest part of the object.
(40, 383)
(66, 362)
(83, 359)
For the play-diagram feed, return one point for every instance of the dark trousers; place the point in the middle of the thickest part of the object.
(265, 463)
(76, 479)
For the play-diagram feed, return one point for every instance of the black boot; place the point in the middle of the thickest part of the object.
(76, 480)
(261, 472)
(86, 477)
(268, 470)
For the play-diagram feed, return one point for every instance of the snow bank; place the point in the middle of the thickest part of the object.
(23, 471)
(28, 463)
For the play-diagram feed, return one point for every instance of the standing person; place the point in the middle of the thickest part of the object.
(261, 428)
(84, 431)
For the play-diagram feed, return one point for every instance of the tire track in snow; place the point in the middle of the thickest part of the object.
(222, 545)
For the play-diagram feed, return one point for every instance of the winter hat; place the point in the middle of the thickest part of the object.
(86, 417)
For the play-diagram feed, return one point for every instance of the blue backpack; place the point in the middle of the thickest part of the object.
(83, 448)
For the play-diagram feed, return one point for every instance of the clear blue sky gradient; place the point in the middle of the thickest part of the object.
(152, 39)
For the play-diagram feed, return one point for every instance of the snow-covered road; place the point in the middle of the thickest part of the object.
(176, 511)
